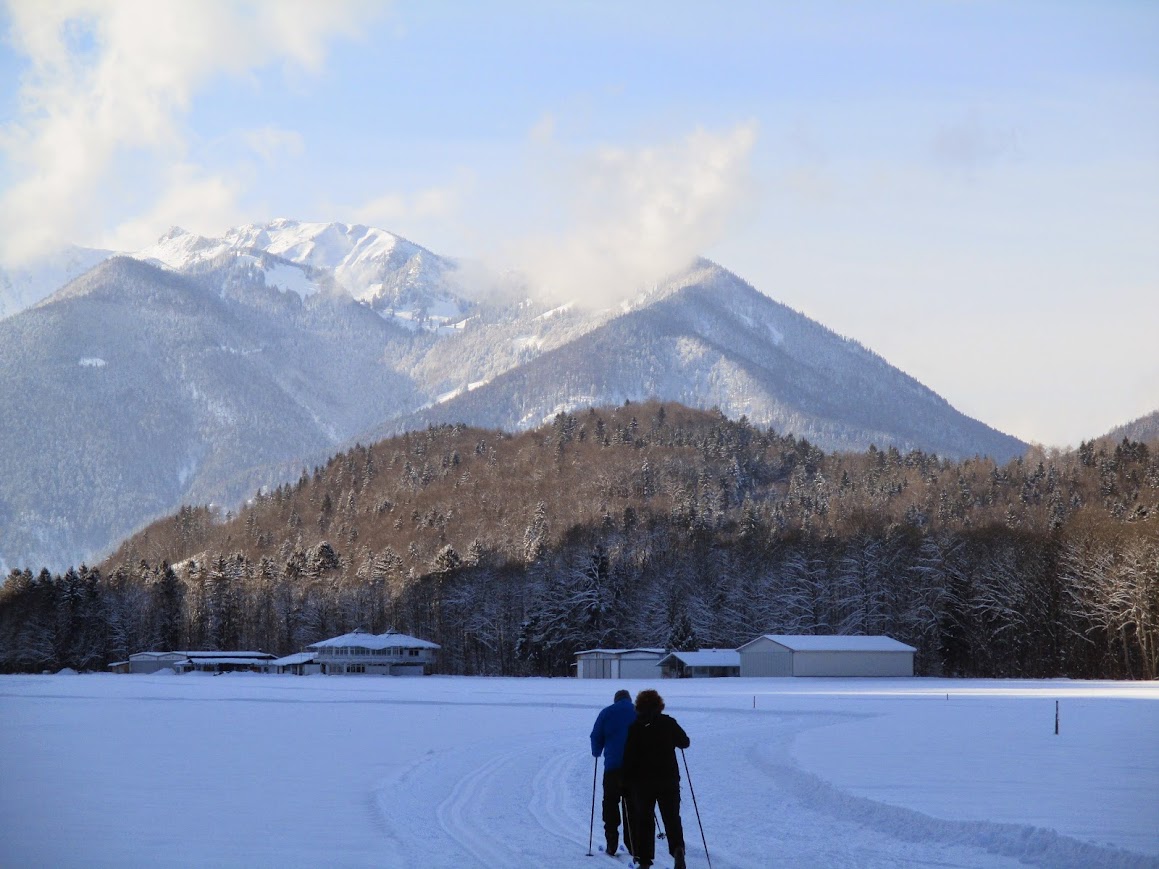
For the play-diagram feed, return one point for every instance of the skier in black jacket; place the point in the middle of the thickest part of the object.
(653, 778)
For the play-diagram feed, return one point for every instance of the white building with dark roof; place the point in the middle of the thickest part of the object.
(359, 652)
(809, 655)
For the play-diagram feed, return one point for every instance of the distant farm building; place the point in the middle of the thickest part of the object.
(796, 655)
(701, 663)
(152, 662)
(618, 663)
(359, 652)
(227, 662)
(183, 662)
(298, 664)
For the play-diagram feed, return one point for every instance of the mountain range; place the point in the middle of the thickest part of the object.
(200, 369)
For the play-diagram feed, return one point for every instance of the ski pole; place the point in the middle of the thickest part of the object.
(688, 776)
(592, 822)
(627, 824)
(660, 827)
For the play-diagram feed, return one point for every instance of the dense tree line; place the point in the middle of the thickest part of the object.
(639, 525)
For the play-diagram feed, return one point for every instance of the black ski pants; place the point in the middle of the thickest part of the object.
(614, 797)
(647, 797)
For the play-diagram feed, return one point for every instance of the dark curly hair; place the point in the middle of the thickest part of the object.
(649, 702)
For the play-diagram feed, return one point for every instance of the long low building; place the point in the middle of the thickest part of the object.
(153, 662)
(199, 661)
(228, 662)
(801, 655)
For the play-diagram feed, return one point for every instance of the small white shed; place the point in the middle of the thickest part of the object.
(801, 655)
(618, 663)
(701, 663)
(299, 664)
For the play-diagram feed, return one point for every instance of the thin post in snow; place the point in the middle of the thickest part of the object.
(1056, 718)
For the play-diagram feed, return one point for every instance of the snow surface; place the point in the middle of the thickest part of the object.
(246, 770)
(292, 278)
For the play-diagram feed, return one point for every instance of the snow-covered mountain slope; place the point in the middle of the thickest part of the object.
(205, 368)
(24, 286)
(399, 279)
(136, 389)
(711, 340)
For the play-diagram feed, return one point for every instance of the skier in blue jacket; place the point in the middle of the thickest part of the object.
(608, 736)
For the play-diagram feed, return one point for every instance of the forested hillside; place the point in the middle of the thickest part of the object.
(1145, 428)
(646, 524)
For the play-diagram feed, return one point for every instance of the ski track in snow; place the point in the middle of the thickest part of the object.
(530, 804)
(468, 814)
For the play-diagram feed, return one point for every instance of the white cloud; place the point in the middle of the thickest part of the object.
(108, 83)
(392, 209)
(544, 130)
(632, 217)
(191, 199)
(270, 142)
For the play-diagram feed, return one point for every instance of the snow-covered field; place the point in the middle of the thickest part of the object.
(283, 771)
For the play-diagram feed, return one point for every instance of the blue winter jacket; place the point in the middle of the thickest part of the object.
(611, 732)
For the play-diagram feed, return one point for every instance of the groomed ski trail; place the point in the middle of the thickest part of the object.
(527, 802)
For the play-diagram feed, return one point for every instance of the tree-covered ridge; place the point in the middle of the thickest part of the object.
(645, 524)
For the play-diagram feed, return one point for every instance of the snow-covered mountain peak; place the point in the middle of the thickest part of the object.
(333, 246)
(401, 280)
(179, 249)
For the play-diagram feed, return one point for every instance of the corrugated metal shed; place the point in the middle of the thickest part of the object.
(618, 663)
(812, 655)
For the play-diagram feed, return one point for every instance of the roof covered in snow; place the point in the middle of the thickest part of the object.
(707, 658)
(811, 643)
(291, 660)
(158, 656)
(621, 651)
(364, 640)
(222, 655)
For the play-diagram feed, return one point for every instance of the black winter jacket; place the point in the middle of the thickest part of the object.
(650, 753)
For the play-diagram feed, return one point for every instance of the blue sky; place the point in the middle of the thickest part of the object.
(971, 189)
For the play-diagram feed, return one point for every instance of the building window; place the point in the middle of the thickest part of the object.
(356, 668)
